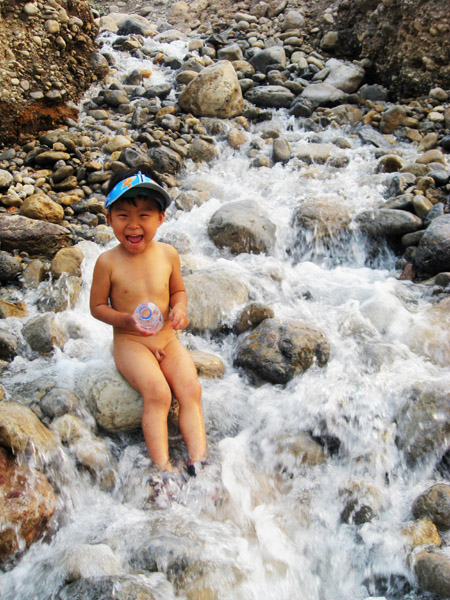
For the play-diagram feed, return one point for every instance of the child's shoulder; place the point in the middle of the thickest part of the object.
(107, 256)
(166, 249)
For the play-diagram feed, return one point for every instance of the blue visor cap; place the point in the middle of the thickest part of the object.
(136, 185)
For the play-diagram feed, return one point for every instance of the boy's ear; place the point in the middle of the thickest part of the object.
(108, 217)
(162, 216)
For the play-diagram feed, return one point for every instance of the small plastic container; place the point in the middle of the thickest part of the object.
(149, 317)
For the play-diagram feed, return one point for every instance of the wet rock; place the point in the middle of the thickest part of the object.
(44, 333)
(119, 587)
(60, 295)
(317, 153)
(214, 93)
(322, 221)
(115, 98)
(70, 428)
(344, 114)
(166, 552)
(433, 251)
(363, 501)
(434, 504)
(281, 151)
(90, 560)
(10, 267)
(369, 135)
(67, 260)
(269, 57)
(344, 76)
(422, 425)
(13, 308)
(213, 295)
(32, 236)
(207, 365)
(165, 160)
(114, 404)
(27, 502)
(296, 451)
(278, 351)
(421, 532)
(236, 138)
(323, 94)
(9, 344)
(242, 227)
(388, 222)
(251, 316)
(432, 570)
(270, 96)
(21, 431)
(201, 151)
(58, 402)
(389, 164)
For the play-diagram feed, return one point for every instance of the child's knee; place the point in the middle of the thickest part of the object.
(160, 398)
(192, 392)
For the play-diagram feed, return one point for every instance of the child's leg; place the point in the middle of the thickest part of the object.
(181, 375)
(141, 369)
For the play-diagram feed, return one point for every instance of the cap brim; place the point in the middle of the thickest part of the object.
(132, 190)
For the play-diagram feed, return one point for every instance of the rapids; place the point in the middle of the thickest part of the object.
(258, 522)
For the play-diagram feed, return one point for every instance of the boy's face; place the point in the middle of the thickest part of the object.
(135, 223)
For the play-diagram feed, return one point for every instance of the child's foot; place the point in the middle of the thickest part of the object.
(193, 467)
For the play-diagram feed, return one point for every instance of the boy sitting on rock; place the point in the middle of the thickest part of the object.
(140, 269)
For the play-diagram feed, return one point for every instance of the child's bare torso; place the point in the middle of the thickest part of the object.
(143, 277)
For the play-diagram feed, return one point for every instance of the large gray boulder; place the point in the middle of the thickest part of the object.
(276, 350)
(214, 297)
(37, 238)
(423, 426)
(114, 404)
(215, 92)
(433, 252)
(242, 227)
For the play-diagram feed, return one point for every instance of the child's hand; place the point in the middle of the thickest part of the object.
(134, 326)
(178, 317)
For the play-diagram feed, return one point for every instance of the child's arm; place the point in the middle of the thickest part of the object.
(99, 300)
(178, 296)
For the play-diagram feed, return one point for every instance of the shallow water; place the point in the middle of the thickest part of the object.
(258, 522)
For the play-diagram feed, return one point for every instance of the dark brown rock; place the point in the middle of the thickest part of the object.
(27, 502)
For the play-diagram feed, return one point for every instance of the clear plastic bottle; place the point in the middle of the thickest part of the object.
(148, 316)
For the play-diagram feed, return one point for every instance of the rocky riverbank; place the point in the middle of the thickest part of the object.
(236, 72)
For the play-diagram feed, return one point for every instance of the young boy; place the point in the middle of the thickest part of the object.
(141, 269)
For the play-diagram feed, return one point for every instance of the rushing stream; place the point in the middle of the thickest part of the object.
(258, 522)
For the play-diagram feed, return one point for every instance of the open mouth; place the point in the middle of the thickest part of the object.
(134, 239)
